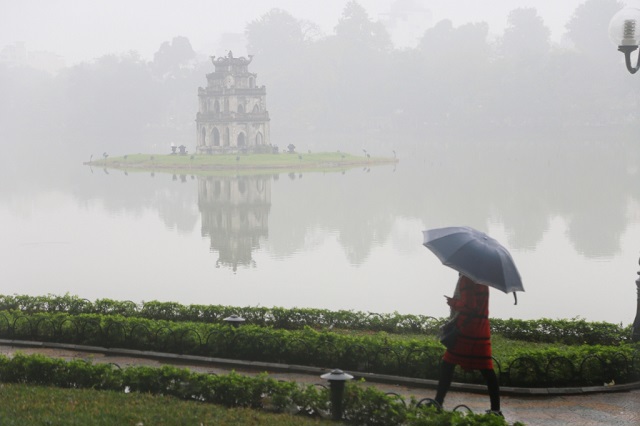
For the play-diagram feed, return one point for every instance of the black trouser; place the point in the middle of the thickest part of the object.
(446, 376)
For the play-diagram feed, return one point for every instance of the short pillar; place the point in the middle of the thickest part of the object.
(337, 379)
(234, 320)
(635, 336)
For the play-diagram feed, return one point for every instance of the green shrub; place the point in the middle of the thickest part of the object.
(362, 405)
(517, 365)
(562, 352)
(573, 331)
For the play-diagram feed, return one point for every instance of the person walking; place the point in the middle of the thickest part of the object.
(472, 348)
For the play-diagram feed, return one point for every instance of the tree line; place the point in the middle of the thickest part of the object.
(352, 82)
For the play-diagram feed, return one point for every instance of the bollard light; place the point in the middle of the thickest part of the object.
(624, 31)
(337, 379)
(234, 320)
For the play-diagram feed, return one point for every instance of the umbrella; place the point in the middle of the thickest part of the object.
(476, 255)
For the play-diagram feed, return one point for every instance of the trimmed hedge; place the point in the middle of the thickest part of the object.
(362, 405)
(574, 331)
(577, 365)
(570, 332)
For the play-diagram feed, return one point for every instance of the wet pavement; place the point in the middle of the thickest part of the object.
(612, 405)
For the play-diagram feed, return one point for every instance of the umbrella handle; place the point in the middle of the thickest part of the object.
(515, 298)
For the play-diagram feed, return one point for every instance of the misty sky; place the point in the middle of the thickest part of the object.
(80, 30)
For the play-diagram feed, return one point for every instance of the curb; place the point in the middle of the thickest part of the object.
(302, 369)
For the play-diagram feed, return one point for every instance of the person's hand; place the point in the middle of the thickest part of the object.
(450, 301)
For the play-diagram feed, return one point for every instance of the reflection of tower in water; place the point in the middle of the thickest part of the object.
(235, 214)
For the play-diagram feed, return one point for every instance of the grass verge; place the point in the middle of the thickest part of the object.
(25, 405)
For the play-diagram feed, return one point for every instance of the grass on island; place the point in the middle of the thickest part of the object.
(26, 405)
(190, 162)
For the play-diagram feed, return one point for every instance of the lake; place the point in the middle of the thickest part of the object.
(568, 212)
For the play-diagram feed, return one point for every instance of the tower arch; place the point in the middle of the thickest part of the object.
(215, 137)
(226, 136)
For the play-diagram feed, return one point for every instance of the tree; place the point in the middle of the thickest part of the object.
(29, 113)
(172, 56)
(178, 73)
(282, 47)
(356, 29)
(110, 103)
(359, 56)
(453, 70)
(600, 85)
(588, 27)
(277, 32)
(521, 95)
(526, 38)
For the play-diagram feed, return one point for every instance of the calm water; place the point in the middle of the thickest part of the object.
(352, 240)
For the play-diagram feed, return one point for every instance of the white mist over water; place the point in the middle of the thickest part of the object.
(54, 244)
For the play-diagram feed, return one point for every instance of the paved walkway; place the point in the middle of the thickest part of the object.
(613, 405)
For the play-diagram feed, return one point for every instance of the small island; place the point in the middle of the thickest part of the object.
(233, 133)
(193, 163)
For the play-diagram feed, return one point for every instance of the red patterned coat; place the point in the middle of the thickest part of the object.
(472, 350)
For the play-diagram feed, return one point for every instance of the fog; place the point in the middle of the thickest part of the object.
(525, 99)
(80, 31)
(78, 79)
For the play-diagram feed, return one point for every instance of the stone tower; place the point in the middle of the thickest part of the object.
(232, 114)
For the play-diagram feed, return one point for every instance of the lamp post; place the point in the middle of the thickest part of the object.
(234, 320)
(635, 336)
(624, 31)
(337, 380)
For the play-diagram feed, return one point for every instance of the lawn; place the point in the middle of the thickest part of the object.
(40, 405)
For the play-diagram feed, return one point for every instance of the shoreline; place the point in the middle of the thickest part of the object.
(230, 162)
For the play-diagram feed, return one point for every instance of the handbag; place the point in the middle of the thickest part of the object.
(449, 334)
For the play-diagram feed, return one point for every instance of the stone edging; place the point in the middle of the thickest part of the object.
(307, 370)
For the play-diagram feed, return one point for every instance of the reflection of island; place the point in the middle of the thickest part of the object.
(235, 213)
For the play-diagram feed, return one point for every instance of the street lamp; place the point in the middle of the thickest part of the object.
(635, 337)
(624, 31)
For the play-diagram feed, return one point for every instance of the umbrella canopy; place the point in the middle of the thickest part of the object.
(476, 255)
